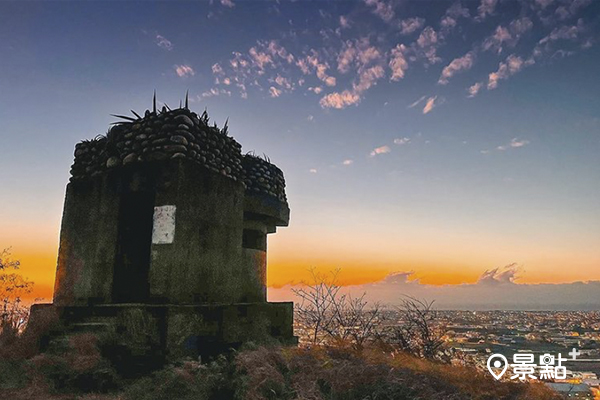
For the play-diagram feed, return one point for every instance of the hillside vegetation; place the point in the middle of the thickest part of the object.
(254, 373)
(348, 353)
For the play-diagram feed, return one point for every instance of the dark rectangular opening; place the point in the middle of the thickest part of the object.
(130, 279)
(254, 239)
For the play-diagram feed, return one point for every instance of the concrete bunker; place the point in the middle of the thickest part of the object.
(164, 238)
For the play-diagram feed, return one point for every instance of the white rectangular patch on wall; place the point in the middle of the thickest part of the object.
(163, 227)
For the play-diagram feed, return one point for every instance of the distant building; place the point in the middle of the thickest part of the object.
(586, 375)
(591, 382)
(570, 390)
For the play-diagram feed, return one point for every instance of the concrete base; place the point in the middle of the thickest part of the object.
(168, 332)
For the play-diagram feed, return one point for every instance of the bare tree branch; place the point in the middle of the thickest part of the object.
(331, 317)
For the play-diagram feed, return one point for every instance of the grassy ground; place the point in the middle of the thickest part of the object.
(253, 373)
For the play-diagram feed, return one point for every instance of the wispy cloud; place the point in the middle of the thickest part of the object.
(358, 55)
(508, 36)
(345, 22)
(474, 89)
(410, 25)
(380, 150)
(264, 61)
(367, 62)
(402, 141)
(163, 42)
(354, 63)
(427, 44)
(346, 57)
(312, 63)
(274, 92)
(184, 70)
(417, 102)
(520, 26)
(568, 10)
(518, 143)
(514, 143)
(216, 92)
(452, 15)
(260, 58)
(429, 104)
(573, 33)
(486, 7)
(227, 3)
(347, 162)
(313, 170)
(566, 32)
(217, 69)
(340, 100)
(382, 9)
(457, 65)
(495, 41)
(283, 82)
(507, 68)
(398, 63)
(368, 77)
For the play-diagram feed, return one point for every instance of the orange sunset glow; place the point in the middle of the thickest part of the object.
(359, 261)
(244, 199)
(436, 141)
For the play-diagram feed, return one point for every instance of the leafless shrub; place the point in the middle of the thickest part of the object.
(314, 310)
(330, 317)
(326, 316)
(418, 331)
(354, 321)
(13, 314)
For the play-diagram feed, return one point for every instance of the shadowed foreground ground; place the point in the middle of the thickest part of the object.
(251, 373)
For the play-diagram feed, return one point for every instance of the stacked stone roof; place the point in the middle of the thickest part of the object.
(176, 134)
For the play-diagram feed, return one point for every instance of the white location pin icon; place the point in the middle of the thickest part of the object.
(497, 362)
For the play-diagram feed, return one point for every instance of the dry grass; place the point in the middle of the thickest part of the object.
(79, 368)
(335, 373)
(15, 346)
(260, 373)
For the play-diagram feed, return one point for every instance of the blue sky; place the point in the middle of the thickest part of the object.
(445, 138)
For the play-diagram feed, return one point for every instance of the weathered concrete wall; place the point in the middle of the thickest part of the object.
(164, 240)
(224, 206)
(175, 331)
(203, 264)
(266, 209)
(87, 243)
(254, 258)
(255, 271)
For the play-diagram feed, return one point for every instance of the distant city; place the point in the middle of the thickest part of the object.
(479, 334)
(471, 337)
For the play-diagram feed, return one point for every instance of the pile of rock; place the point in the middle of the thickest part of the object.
(262, 177)
(90, 155)
(175, 134)
(158, 136)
